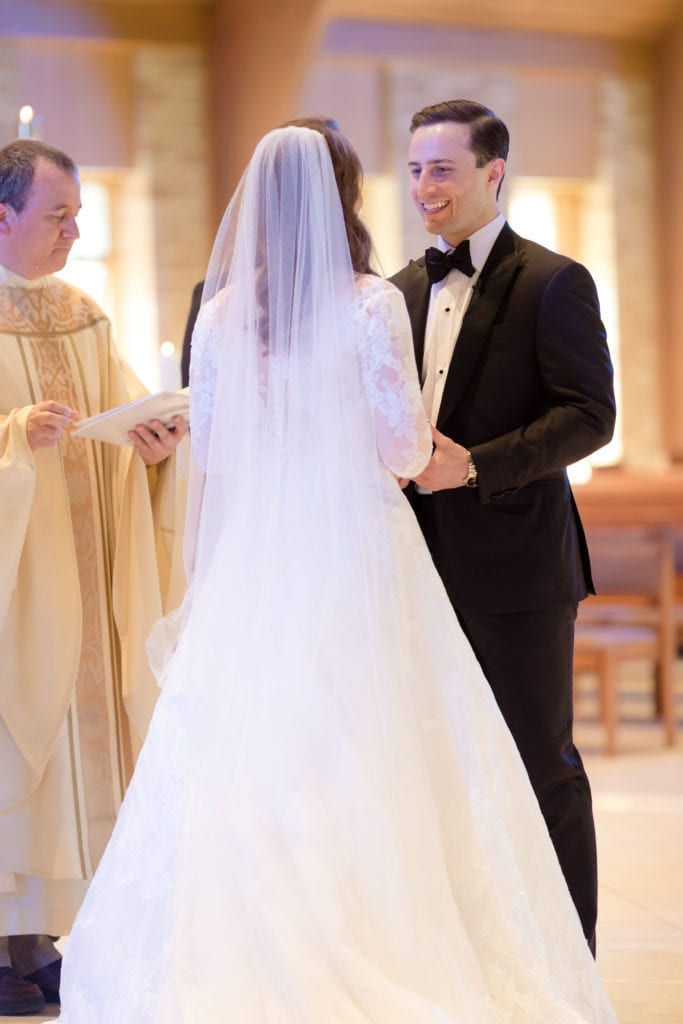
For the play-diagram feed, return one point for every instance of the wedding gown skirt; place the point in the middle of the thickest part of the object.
(323, 832)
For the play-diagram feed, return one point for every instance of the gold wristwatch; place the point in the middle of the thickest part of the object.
(472, 478)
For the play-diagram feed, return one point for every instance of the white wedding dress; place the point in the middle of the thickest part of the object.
(322, 830)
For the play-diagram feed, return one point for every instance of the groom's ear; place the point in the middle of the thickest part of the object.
(496, 172)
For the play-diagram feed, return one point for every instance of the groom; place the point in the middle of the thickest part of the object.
(517, 377)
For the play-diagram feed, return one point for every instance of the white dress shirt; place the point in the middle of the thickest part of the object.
(448, 302)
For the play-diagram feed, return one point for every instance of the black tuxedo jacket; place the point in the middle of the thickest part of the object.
(529, 391)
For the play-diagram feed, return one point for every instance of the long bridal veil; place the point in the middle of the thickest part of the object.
(279, 425)
(297, 714)
(289, 508)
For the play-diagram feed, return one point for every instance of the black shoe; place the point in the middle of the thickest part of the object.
(18, 996)
(47, 979)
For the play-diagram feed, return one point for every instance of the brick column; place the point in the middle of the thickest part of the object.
(630, 166)
(668, 161)
(9, 101)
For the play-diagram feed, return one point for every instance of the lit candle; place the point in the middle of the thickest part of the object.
(169, 366)
(25, 126)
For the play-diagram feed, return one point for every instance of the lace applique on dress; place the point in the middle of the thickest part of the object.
(388, 364)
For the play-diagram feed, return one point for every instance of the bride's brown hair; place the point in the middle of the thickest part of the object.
(348, 174)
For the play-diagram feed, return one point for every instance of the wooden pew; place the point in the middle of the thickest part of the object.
(636, 519)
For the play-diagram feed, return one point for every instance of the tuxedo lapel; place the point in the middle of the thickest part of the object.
(495, 281)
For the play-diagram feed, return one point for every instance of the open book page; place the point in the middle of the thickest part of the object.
(113, 425)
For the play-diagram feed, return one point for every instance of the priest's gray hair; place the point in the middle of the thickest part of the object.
(17, 168)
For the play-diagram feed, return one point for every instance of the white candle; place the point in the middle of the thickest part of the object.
(28, 125)
(169, 361)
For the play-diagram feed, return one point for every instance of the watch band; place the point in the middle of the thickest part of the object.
(472, 478)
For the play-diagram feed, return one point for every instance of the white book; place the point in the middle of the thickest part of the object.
(113, 425)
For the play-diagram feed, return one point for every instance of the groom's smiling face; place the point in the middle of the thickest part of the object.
(454, 197)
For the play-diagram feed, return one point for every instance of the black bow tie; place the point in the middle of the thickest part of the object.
(438, 263)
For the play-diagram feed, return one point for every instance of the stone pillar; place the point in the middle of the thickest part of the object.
(628, 162)
(668, 161)
(9, 100)
(259, 54)
(172, 144)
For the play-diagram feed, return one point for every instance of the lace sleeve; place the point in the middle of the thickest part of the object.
(403, 433)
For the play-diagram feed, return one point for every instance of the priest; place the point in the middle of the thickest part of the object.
(90, 557)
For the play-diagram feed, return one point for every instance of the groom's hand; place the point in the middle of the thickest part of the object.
(447, 467)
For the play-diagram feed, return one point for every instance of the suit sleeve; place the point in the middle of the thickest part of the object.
(573, 412)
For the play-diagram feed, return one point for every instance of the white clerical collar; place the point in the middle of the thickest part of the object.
(11, 279)
(481, 241)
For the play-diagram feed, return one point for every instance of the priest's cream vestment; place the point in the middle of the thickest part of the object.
(90, 557)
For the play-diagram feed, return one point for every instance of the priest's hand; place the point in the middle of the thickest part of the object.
(447, 467)
(155, 442)
(46, 422)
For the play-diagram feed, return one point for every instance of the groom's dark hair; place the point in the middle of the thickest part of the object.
(489, 137)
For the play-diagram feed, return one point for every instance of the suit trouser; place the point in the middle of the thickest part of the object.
(527, 658)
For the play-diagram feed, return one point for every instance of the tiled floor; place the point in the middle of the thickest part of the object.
(639, 811)
(638, 797)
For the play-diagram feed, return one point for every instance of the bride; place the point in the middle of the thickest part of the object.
(329, 822)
